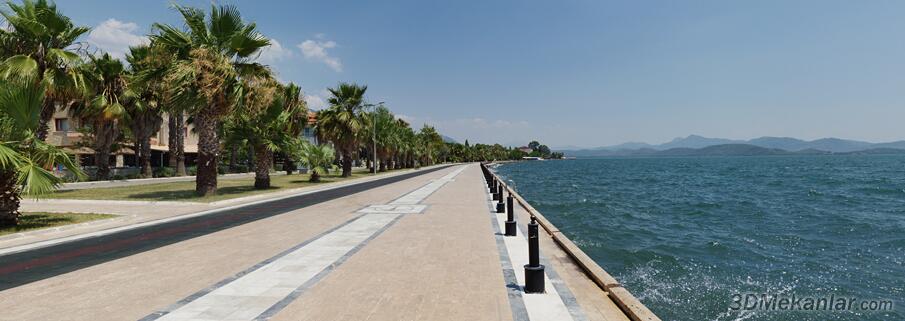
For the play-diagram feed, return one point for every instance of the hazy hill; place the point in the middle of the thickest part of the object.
(723, 150)
(695, 141)
(786, 144)
(447, 139)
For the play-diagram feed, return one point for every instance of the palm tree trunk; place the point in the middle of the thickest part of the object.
(171, 139)
(288, 164)
(46, 115)
(233, 157)
(263, 161)
(146, 156)
(347, 164)
(208, 152)
(103, 141)
(251, 157)
(180, 145)
(9, 199)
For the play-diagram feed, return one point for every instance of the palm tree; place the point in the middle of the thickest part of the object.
(408, 145)
(143, 111)
(269, 123)
(316, 158)
(431, 142)
(294, 101)
(24, 158)
(342, 123)
(37, 48)
(103, 112)
(385, 124)
(213, 55)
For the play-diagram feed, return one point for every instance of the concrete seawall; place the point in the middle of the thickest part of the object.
(627, 302)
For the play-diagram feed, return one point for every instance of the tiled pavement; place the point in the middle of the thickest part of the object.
(421, 249)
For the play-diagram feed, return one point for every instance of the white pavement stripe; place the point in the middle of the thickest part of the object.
(252, 294)
(265, 290)
(540, 306)
(420, 194)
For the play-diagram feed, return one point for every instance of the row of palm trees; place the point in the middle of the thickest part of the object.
(204, 73)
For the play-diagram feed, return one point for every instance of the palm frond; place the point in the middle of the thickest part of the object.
(35, 180)
(10, 158)
(19, 67)
(22, 103)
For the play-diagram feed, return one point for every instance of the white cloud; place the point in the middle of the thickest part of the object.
(115, 37)
(273, 53)
(316, 50)
(317, 101)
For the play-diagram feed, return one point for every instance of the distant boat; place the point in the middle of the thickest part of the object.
(531, 158)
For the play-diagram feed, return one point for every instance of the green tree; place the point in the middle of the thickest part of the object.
(37, 47)
(544, 151)
(316, 158)
(102, 113)
(343, 123)
(387, 136)
(269, 124)
(144, 109)
(294, 100)
(431, 142)
(212, 56)
(25, 159)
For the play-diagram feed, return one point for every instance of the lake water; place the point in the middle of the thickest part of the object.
(686, 234)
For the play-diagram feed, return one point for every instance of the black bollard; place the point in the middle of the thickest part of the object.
(534, 271)
(499, 192)
(493, 188)
(500, 207)
(510, 217)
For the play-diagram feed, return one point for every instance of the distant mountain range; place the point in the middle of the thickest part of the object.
(695, 145)
(447, 139)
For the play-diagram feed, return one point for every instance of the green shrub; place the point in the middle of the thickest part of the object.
(164, 172)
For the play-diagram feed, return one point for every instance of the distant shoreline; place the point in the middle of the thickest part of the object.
(726, 150)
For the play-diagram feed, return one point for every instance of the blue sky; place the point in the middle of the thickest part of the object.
(583, 73)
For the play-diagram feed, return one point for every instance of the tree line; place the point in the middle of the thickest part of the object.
(202, 73)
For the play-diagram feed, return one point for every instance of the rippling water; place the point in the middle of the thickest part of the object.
(685, 234)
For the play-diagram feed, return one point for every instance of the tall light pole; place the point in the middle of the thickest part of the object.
(374, 125)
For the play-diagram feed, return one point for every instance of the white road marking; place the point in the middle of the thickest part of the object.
(393, 209)
(420, 194)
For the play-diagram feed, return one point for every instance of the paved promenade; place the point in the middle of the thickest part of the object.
(417, 247)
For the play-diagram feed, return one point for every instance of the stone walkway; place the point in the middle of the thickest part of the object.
(425, 248)
(132, 213)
